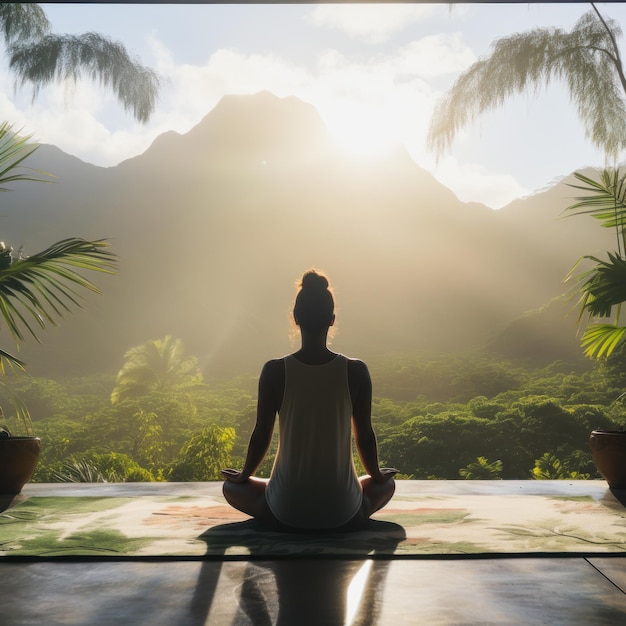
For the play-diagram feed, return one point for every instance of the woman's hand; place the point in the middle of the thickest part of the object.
(234, 476)
(385, 474)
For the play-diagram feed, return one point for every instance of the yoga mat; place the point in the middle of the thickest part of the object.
(410, 526)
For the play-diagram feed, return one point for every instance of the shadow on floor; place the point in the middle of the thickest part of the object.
(301, 578)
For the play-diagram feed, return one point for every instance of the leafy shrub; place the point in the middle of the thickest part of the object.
(203, 456)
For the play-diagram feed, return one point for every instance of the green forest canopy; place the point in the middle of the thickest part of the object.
(442, 417)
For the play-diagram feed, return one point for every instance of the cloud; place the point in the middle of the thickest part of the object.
(373, 23)
(435, 55)
(386, 96)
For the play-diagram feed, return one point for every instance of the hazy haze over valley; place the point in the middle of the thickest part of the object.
(213, 227)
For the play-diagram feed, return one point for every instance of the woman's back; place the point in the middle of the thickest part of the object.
(313, 482)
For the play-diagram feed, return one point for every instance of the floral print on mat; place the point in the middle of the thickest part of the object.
(416, 526)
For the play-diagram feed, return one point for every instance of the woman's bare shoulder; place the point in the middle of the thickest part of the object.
(272, 383)
(356, 363)
(358, 369)
(273, 368)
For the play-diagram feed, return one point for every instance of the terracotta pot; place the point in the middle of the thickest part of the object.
(18, 459)
(608, 448)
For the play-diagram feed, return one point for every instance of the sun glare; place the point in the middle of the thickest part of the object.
(361, 131)
(356, 589)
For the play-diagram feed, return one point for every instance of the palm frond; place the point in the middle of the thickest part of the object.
(592, 69)
(10, 362)
(604, 200)
(585, 58)
(603, 286)
(22, 21)
(22, 415)
(38, 290)
(14, 149)
(68, 57)
(78, 471)
(600, 340)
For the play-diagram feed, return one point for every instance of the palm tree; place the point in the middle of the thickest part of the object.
(588, 59)
(39, 57)
(156, 365)
(38, 290)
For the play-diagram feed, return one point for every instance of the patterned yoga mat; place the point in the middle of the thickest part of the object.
(411, 526)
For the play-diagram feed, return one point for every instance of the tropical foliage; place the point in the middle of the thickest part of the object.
(587, 59)
(98, 468)
(38, 290)
(204, 455)
(602, 287)
(549, 467)
(460, 428)
(14, 149)
(482, 469)
(39, 57)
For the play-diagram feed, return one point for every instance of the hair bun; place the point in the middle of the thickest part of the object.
(312, 281)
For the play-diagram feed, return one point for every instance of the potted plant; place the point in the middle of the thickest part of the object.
(19, 454)
(18, 459)
(602, 291)
(35, 291)
(608, 447)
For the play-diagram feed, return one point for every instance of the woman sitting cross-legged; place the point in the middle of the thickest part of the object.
(320, 397)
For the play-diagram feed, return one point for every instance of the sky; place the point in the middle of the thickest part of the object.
(374, 72)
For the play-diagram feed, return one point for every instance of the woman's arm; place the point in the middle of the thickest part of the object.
(271, 386)
(364, 437)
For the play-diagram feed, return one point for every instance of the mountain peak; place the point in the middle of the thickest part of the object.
(254, 122)
(212, 227)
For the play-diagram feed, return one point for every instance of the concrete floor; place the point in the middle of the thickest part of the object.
(316, 592)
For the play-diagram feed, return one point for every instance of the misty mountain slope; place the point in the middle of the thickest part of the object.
(213, 227)
(541, 336)
(559, 238)
(556, 241)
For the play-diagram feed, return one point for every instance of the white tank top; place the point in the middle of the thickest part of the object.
(313, 482)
